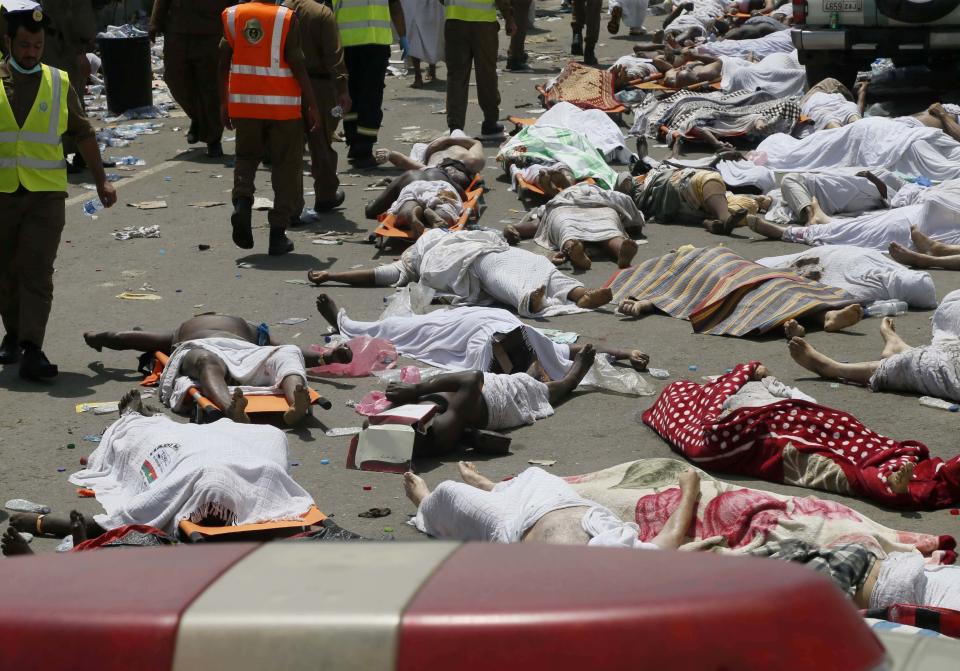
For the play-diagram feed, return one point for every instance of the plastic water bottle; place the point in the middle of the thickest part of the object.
(24, 506)
(658, 373)
(92, 206)
(938, 403)
(130, 160)
(888, 308)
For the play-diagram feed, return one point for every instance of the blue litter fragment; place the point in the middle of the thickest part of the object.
(324, 461)
(61, 469)
(92, 439)
(691, 368)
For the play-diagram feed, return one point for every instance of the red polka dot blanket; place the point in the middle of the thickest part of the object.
(797, 442)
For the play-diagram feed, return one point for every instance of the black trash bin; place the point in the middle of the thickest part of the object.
(127, 72)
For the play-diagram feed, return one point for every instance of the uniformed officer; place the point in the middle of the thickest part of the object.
(471, 42)
(192, 30)
(262, 78)
(323, 56)
(37, 107)
(586, 13)
(366, 36)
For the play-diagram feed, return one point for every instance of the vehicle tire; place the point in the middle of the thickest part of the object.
(916, 12)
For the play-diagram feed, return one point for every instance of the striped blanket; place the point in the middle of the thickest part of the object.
(722, 293)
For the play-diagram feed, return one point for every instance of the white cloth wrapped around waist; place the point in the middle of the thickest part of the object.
(456, 511)
(824, 108)
(436, 195)
(905, 578)
(249, 365)
(155, 471)
(514, 400)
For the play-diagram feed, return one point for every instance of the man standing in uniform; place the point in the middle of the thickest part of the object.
(323, 56)
(586, 13)
(516, 53)
(192, 30)
(471, 39)
(366, 37)
(261, 80)
(37, 107)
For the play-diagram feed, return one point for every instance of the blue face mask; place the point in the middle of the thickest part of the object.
(19, 68)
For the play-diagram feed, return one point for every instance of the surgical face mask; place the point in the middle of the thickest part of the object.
(19, 68)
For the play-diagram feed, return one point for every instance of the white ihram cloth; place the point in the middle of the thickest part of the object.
(425, 20)
(934, 369)
(458, 339)
(457, 511)
(780, 75)
(437, 195)
(874, 142)
(588, 213)
(597, 126)
(758, 48)
(904, 578)
(937, 214)
(256, 369)
(634, 11)
(514, 400)
(152, 470)
(824, 108)
(865, 273)
(634, 66)
(479, 268)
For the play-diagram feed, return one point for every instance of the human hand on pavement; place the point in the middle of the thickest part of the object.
(108, 193)
(344, 101)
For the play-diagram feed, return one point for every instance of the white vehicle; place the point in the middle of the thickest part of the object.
(836, 38)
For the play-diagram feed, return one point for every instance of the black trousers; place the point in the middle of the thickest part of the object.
(367, 68)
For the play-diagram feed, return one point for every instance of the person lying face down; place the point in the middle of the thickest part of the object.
(214, 350)
(151, 470)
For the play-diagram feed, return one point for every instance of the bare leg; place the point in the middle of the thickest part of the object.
(353, 278)
(211, 375)
(837, 320)
(138, 341)
(56, 526)
(825, 367)
(675, 530)
(415, 488)
(913, 259)
(13, 545)
(298, 398)
(574, 250)
(892, 342)
(417, 75)
(767, 229)
(590, 299)
(470, 474)
(526, 229)
(327, 308)
(431, 73)
(622, 250)
(397, 159)
(560, 389)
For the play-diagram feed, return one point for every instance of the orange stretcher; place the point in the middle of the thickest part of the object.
(263, 531)
(204, 409)
(654, 86)
(525, 188)
(473, 207)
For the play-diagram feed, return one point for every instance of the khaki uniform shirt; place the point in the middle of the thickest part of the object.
(322, 52)
(189, 17)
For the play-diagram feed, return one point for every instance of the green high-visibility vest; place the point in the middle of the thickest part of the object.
(470, 10)
(32, 156)
(364, 22)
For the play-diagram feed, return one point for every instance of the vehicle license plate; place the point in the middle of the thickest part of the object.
(842, 5)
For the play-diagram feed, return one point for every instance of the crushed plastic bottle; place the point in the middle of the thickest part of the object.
(888, 308)
(128, 160)
(939, 404)
(92, 206)
(658, 373)
(336, 112)
(24, 506)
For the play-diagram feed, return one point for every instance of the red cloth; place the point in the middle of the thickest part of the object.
(750, 441)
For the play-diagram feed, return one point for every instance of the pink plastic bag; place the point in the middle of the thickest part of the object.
(410, 374)
(369, 354)
(373, 403)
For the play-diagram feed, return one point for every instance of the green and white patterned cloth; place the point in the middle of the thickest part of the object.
(547, 145)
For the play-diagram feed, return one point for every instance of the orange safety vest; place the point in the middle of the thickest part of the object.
(261, 86)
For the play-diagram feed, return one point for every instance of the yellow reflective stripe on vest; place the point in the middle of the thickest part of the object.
(470, 10)
(364, 22)
(32, 156)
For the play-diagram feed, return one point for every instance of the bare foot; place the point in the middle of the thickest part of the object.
(511, 234)
(639, 360)
(535, 303)
(760, 372)
(582, 363)
(381, 156)
(237, 410)
(131, 402)
(327, 308)
(908, 257)
(470, 474)
(95, 340)
(300, 407)
(837, 320)
(577, 255)
(690, 482)
(595, 298)
(811, 359)
(78, 527)
(415, 488)
(318, 277)
(12, 544)
(631, 307)
(434, 220)
(899, 481)
(892, 342)
(922, 242)
(817, 215)
(628, 249)
(558, 259)
(793, 329)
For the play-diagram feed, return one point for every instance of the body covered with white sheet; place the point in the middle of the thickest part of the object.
(587, 213)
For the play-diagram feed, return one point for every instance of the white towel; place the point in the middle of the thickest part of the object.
(514, 400)
(155, 471)
(437, 195)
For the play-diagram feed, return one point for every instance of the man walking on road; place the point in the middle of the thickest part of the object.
(261, 80)
(586, 13)
(470, 33)
(192, 30)
(37, 107)
(366, 36)
(323, 56)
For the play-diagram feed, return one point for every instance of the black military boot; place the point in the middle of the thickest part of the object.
(576, 47)
(9, 349)
(280, 244)
(589, 57)
(34, 364)
(240, 220)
